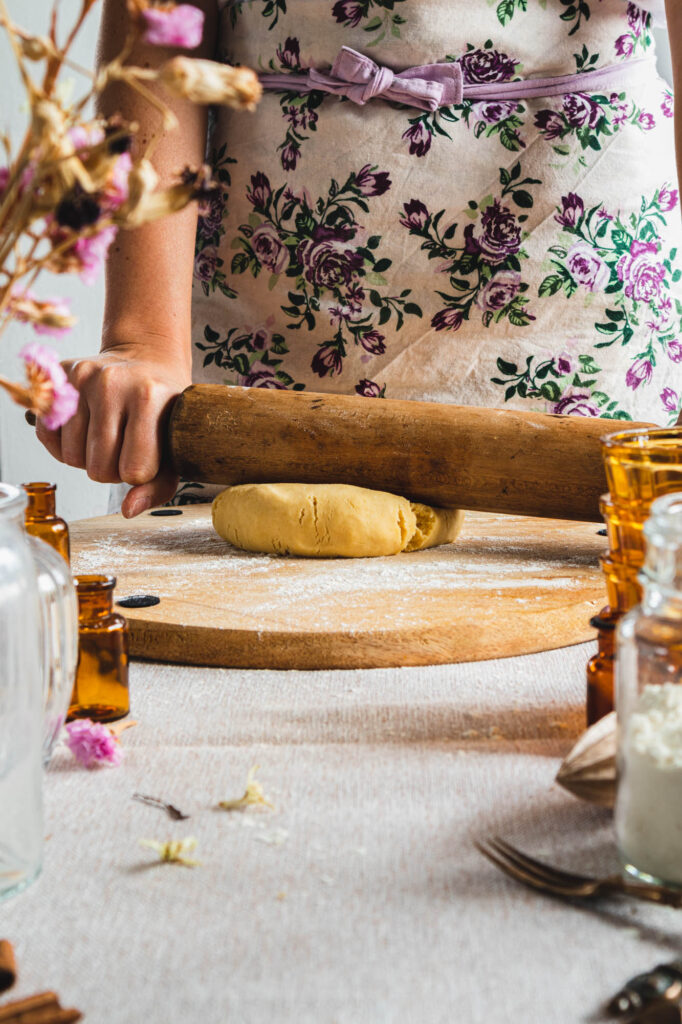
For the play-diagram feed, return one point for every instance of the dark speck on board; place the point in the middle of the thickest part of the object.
(166, 512)
(139, 601)
(601, 533)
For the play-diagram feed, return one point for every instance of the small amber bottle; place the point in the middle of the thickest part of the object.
(600, 668)
(41, 519)
(101, 688)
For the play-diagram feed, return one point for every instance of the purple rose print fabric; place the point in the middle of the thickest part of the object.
(498, 252)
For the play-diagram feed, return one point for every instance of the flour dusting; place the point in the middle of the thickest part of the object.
(185, 554)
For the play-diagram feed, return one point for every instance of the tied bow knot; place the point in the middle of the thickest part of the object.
(360, 79)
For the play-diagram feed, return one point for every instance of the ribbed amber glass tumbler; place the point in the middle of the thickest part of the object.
(641, 465)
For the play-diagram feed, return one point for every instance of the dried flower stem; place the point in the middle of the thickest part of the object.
(74, 181)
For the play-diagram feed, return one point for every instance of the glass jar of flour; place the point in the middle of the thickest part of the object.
(649, 707)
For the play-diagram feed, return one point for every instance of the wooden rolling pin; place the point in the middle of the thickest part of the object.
(452, 456)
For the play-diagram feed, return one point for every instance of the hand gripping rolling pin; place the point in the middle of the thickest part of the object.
(489, 460)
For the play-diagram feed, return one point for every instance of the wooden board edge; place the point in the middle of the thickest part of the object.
(244, 649)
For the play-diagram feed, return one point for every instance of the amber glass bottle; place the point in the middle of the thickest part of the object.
(600, 668)
(41, 519)
(101, 688)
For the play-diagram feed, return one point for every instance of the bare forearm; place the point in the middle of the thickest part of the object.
(149, 271)
(674, 12)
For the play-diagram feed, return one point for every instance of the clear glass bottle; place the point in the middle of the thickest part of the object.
(21, 701)
(42, 520)
(59, 639)
(649, 707)
(101, 688)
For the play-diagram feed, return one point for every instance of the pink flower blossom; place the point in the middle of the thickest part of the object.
(575, 403)
(116, 189)
(668, 105)
(670, 399)
(369, 389)
(499, 291)
(647, 121)
(587, 268)
(54, 398)
(447, 320)
(639, 373)
(92, 743)
(181, 26)
(641, 273)
(82, 136)
(621, 113)
(46, 316)
(625, 45)
(667, 198)
(92, 251)
(675, 351)
(27, 176)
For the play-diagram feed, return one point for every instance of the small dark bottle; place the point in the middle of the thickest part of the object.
(41, 519)
(101, 688)
(600, 668)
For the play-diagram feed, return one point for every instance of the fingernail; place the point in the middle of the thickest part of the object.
(137, 507)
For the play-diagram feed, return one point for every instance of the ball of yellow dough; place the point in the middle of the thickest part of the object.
(329, 521)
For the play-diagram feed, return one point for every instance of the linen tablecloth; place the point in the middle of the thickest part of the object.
(360, 899)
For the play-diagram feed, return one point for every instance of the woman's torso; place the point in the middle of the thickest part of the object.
(501, 253)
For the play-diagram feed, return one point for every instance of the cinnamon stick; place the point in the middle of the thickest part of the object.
(8, 967)
(50, 1015)
(38, 1002)
(43, 1008)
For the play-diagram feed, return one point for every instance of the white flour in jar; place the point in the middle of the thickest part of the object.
(649, 813)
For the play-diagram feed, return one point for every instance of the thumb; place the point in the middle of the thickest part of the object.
(144, 496)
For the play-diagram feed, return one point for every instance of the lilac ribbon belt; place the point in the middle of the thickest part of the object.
(431, 86)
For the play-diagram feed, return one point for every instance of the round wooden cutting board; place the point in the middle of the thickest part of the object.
(510, 585)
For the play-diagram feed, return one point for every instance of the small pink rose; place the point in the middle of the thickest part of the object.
(639, 373)
(670, 399)
(181, 26)
(92, 743)
(92, 251)
(667, 198)
(54, 398)
(675, 351)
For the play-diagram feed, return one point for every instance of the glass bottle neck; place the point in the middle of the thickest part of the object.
(660, 601)
(95, 606)
(41, 502)
(12, 505)
(95, 597)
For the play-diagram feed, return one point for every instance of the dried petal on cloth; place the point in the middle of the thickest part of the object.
(253, 796)
(92, 743)
(174, 851)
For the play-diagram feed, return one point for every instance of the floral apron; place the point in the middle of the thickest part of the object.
(505, 252)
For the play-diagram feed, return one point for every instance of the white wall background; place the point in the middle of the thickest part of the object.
(21, 457)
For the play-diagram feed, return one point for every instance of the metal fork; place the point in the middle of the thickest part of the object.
(554, 880)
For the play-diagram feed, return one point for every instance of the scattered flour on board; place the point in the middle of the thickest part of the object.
(181, 551)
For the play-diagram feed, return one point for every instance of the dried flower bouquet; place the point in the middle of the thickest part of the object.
(75, 180)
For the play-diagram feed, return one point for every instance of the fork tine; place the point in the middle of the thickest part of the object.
(552, 874)
(531, 879)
